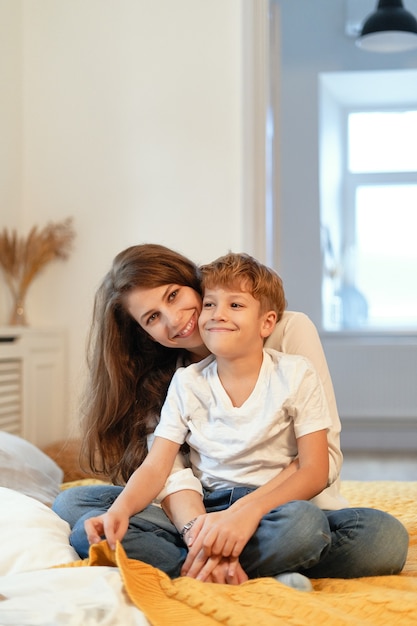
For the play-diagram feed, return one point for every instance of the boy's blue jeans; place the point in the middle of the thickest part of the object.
(297, 536)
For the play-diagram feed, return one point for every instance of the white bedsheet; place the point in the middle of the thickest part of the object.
(81, 596)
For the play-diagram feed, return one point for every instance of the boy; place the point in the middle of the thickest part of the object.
(247, 414)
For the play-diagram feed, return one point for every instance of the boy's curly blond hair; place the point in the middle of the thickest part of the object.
(244, 272)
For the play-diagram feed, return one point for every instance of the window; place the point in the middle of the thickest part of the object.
(368, 211)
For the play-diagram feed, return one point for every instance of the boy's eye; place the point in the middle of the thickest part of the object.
(235, 305)
(207, 305)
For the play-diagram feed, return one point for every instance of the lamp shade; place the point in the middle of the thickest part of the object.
(389, 29)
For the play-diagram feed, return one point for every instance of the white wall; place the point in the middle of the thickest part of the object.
(132, 123)
(10, 121)
(10, 109)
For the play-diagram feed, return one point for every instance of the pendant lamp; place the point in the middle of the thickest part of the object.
(390, 28)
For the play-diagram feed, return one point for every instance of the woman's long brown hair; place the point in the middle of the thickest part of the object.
(129, 373)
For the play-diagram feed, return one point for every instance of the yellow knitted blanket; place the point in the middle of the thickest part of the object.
(376, 601)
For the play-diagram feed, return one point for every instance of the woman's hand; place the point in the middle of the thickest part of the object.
(113, 525)
(219, 571)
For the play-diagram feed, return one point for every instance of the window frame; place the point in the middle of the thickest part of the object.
(340, 94)
(353, 180)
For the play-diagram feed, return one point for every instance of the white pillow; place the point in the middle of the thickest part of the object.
(27, 469)
(32, 536)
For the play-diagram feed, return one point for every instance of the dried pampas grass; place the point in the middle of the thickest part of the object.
(21, 259)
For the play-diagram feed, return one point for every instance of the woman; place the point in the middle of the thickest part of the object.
(144, 326)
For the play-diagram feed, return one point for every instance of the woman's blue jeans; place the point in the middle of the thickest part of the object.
(297, 536)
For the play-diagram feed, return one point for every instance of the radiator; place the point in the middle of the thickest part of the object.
(10, 395)
(375, 381)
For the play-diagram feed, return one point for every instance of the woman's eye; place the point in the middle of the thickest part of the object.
(173, 294)
(152, 318)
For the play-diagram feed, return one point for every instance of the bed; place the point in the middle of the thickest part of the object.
(42, 581)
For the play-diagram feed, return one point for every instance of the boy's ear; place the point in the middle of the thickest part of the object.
(269, 323)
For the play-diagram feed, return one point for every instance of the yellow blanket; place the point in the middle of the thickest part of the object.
(378, 601)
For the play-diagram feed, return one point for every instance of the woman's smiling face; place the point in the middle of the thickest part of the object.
(169, 314)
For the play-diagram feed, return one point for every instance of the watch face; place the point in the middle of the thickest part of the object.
(187, 527)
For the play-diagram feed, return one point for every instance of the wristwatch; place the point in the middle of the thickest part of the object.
(187, 527)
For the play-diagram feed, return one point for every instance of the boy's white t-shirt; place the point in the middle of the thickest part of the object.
(247, 445)
(295, 333)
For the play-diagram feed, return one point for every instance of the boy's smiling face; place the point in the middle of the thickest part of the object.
(231, 323)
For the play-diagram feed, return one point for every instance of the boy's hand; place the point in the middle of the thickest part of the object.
(217, 536)
(113, 525)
